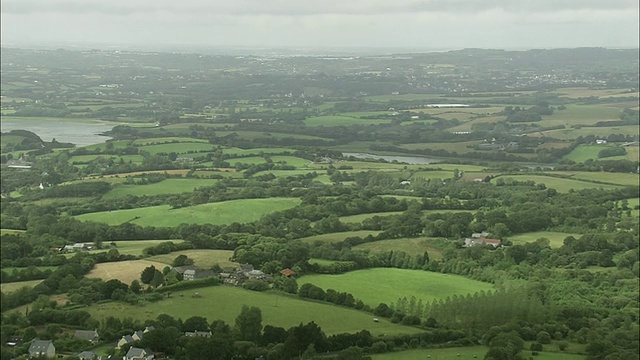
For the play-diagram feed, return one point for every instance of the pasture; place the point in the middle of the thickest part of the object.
(386, 285)
(133, 247)
(125, 271)
(572, 133)
(252, 135)
(339, 236)
(466, 353)
(224, 303)
(219, 213)
(11, 231)
(556, 239)
(412, 246)
(581, 92)
(167, 186)
(178, 148)
(361, 217)
(203, 259)
(611, 178)
(585, 152)
(560, 184)
(14, 286)
(256, 151)
(340, 120)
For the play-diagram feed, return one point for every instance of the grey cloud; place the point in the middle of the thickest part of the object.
(306, 8)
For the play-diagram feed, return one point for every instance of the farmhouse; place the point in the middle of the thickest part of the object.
(478, 241)
(135, 353)
(42, 348)
(89, 335)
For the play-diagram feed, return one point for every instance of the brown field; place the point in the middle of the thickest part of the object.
(125, 271)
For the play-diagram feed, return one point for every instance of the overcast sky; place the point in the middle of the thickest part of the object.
(416, 24)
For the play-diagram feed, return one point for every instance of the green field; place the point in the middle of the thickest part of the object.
(555, 238)
(337, 237)
(572, 133)
(9, 270)
(560, 184)
(87, 158)
(11, 287)
(165, 140)
(474, 352)
(411, 246)
(252, 135)
(605, 177)
(226, 212)
(361, 217)
(134, 247)
(203, 259)
(255, 151)
(338, 120)
(374, 286)
(167, 186)
(178, 148)
(224, 302)
(585, 152)
(11, 231)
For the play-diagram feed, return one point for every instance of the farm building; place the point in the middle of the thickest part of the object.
(469, 242)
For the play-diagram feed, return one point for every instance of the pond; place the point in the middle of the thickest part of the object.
(413, 160)
(79, 133)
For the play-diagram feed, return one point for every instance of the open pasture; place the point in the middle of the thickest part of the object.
(560, 184)
(285, 173)
(412, 246)
(125, 271)
(83, 159)
(219, 213)
(582, 92)
(572, 133)
(225, 302)
(580, 114)
(556, 239)
(11, 231)
(337, 237)
(134, 247)
(178, 148)
(167, 186)
(611, 178)
(15, 286)
(468, 125)
(340, 120)
(203, 259)
(437, 174)
(401, 97)
(167, 140)
(361, 217)
(386, 285)
(256, 151)
(468, 353)
(291, 160)
(586, 152)
(252, 135)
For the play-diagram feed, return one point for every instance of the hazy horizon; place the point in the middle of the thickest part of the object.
(427, 25)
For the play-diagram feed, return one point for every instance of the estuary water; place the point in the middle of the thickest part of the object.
(413, 160)
(78, 133)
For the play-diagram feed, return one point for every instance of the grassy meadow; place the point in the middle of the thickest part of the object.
(374, 286)
(203, 259)
(472, 352)
(340, 120)
(337, 237)
(219, 213)
(225, 302)
(14, 286)
(556, 239)
(167, 186)
(560, 184)
(411, 246)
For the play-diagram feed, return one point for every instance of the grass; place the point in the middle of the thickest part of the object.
(437, 174)
(225, 302)
(125, 271)
(87, 158)
(256, 151)
(617, 178)
(585, 152)
(556, 239)
(14, 286)
(203, 259)
(361, 217)
(580, 92)
(9, 270)
(560, 184)
(219, 213)
(135, 247)
(573, 133)
(339, 120)
(11, 231)
(411, 246)
(252, 135)
(178, 148)
(386, 285)
(167, 186)
(337, 237)
(473, 352)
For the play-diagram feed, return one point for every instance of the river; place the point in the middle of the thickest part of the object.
(78, 133)
(413, 160)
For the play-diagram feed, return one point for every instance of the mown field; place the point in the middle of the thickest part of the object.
(125, 271)
(560, 184)
(411, 246)
(337, 237)
(256, 151)
(219, 213)
(572, 133)
(463, 353)
(585, 152)
(224, 302)
(178, 148)
(386, 285)
(556, 239)
(203, 259)
(11, 287)
(167, 186)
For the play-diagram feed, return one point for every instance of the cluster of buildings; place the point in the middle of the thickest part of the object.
(480, 239)
(230, 276)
